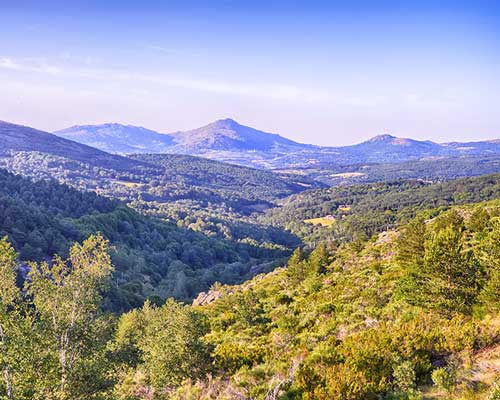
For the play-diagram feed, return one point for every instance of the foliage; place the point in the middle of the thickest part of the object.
(164, 345)
(152, 258)
(374, 207)
(404, 376)
(53, 332)
(444, 378)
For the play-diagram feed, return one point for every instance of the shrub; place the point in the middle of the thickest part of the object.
(404, 376)
(444, 378)
(494, 393)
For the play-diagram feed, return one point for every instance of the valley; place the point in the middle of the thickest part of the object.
(308, 283)
(249, 200)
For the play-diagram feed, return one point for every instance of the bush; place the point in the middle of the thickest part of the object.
(444, 378)
(404, 376)
(494, 393)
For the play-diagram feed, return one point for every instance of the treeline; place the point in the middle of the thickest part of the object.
(226, 179)
(164, 178)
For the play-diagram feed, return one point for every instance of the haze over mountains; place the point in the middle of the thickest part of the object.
(227, 140)
(294, 165)
(31, 152)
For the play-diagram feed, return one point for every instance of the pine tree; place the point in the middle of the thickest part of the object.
(444, 275)
(453, 272)
(489, 253)
(296, 270)
(319, 259)
(410, 246)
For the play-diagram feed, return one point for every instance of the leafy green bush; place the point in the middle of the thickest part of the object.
(444, 378)
(404, 376)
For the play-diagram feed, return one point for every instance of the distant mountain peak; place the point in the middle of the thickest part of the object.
(118, 138)
(382, 138)
(226, 123)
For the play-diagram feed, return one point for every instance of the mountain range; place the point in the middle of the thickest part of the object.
(227, 140)
(42, 155)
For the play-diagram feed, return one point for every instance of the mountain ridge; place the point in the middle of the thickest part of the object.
(229, 141)
(24, 138)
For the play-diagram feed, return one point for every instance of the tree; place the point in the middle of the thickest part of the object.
(172, 345)
(67, 296)
(164, 344)
(296, 265)
(410, 246)
(489, 254)
(454, 273)
(319, 260)
(9, 296)
(446, 275)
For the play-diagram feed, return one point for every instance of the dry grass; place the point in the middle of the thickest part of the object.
(477, 373)
(323, 221)
(128, 184)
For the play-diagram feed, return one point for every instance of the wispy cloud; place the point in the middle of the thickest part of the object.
(30, 65)
(271, 91)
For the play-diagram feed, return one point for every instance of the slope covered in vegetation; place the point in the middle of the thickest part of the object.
(152, 257)
(410, 314)
(363, 210)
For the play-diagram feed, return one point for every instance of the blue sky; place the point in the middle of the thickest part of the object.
(330, 73)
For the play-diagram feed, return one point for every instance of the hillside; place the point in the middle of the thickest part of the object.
(382, 306)
(360, 211)
(410, 314)
(18, 138)
(196, 208)
(152, 258)
(433, 169)
(364, 322)
(157, 178)
(227, 140)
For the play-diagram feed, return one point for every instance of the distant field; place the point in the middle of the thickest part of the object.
(348, 175)
(323, 221)
(128, 184)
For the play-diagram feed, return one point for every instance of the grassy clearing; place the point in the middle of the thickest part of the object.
(129, 184)
(323, 221)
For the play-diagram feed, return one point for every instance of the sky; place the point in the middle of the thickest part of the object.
(322, 72)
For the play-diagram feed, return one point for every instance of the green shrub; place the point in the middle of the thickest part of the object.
(444, 378)
(404, 376)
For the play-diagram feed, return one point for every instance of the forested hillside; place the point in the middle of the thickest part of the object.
(152, 258)
(433, 169)
(411, 314)
(359, 211)
(408, 314)
(392, 292)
